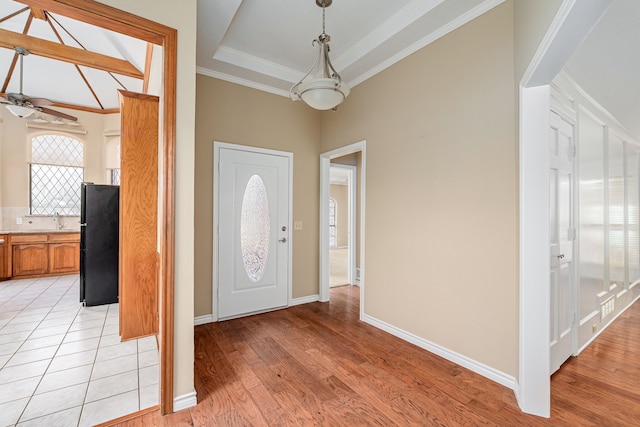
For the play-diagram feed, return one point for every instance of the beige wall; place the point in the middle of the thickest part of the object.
(235, 114)
(441, 180)
(181, 16)
(340, 193)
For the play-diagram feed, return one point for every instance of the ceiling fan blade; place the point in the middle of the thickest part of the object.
(40, 102)
(57, 114)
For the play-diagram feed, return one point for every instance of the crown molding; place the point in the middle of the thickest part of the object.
(240, 81)
(257, 64)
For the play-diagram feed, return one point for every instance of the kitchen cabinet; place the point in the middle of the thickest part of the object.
(4, 267)
(34, 255)
(30, 259)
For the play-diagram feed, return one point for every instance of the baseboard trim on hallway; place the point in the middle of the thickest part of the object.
(464, 361)
(304, 300)
(185, 401)
(203, 320)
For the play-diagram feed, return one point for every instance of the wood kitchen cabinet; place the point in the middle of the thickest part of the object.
(64, 258)
(30, 259)
(4, 267)
(36, 255)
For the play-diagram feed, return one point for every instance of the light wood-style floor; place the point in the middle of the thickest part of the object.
(317, 364)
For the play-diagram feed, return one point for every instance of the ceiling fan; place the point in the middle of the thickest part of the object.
(22, 105)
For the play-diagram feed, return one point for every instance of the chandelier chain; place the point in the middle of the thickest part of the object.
(323, 9)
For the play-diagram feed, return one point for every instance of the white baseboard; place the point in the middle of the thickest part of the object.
(605, 326)
(203, 320)
(464, 361)
(304, 300)
(185, 401)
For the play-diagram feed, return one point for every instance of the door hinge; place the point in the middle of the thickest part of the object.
(572, 234)
(574, 150)
(572, 317)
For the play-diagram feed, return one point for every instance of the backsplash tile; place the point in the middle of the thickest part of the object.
(35, 223)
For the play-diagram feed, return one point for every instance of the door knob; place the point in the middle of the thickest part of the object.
(283, 240)
(560, 256)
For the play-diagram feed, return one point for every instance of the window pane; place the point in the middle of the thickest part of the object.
(255, 228)
(55, 189)
(591, 205)
(56, 150)
(115, 176)
(616, 213)
(632, 213)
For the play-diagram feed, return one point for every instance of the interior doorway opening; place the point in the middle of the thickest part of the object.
(343, 221)
(347, 247)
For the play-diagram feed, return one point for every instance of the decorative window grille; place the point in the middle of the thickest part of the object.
(115, 176)
(56, 173)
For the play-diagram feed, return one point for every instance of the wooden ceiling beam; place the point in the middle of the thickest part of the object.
(102, 16)
(87, 109)
(79, 107)
(60, 52)
(147, 68)
(38, 13)
(16, 13)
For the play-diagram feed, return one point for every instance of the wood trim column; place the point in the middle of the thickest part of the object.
(138, 266)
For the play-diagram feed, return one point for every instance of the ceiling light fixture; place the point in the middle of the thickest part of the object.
(325, 89)
(19, 110)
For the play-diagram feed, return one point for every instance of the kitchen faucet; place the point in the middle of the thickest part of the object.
(58, 219)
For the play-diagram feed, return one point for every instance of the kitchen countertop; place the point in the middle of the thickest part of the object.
(51, 231)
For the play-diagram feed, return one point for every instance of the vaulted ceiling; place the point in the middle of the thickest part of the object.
(70, 63)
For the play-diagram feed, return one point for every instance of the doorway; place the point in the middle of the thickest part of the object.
(342, 221)
(95, 13)
(356, 237)
(252, 223)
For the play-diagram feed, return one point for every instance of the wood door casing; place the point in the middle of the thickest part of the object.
(138, 267)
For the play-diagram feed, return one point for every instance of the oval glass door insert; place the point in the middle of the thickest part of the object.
(255, 228)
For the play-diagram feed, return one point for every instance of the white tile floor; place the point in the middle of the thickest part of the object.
(62, 364)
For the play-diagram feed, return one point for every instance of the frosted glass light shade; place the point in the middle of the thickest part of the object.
(20, 111)
(323, 93)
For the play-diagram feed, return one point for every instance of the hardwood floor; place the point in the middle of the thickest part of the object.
(317, 364)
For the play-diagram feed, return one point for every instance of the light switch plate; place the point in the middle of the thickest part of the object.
(297, 225)
(18, 220)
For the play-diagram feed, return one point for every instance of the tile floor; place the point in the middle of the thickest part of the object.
(62, 364)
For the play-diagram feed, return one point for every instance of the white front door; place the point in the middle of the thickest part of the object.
(561, 238)
(253, 232)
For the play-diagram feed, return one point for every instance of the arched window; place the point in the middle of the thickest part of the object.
(56, 173)
(333, 208)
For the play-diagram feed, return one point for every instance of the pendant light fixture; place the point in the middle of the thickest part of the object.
(324, 89)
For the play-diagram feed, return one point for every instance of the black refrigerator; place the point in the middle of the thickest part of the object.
(99, 241)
